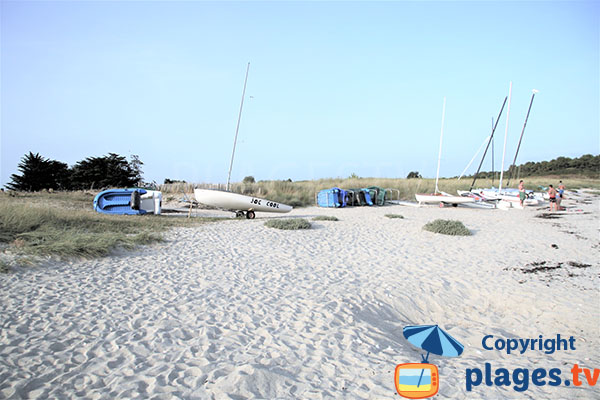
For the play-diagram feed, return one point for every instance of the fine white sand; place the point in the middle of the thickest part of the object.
(237, 310)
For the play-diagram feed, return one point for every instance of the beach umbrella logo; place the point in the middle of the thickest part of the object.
(421, 380)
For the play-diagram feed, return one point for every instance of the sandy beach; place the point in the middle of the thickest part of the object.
(237, 310)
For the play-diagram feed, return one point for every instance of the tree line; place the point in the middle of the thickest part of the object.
(112, 170)
(586, 165)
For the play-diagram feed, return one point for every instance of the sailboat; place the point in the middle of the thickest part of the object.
(437, 196)
(240, 204)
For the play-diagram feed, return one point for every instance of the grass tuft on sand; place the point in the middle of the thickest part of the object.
(289, 224)
(394, 216)
(447, 227)
(325, 218)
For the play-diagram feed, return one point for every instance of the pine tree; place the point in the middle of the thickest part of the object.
(38, 173)
(111, 170)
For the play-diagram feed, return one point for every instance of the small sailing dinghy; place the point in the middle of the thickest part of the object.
(240, 204)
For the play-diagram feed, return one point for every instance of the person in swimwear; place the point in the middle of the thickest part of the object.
(561, 191)
(522, 194)
(552, 195)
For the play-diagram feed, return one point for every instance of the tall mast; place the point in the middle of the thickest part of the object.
(486, 149)
(237, 128)
(437, 175)
(512, 167)
(493, 173)
(505, 137)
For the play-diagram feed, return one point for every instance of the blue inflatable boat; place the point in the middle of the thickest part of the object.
(120, 201)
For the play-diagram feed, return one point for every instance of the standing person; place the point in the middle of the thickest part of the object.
(552, 196)
(522, 194)
(561, 191)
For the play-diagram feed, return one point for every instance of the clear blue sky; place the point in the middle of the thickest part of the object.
(337, 87)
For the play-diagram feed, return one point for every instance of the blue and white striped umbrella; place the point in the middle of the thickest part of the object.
(433, 339)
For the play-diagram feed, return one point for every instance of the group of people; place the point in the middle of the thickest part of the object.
(555, 196)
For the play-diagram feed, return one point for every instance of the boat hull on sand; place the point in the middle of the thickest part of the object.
(238, 202)
(442, 198)
(128, 201)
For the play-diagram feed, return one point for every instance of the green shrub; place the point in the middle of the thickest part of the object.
(447, 227)
(290, 224)
(394, 216)
(325, 218)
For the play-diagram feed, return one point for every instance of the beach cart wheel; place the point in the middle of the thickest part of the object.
(441, 204)
(239, 214)
(250, 215)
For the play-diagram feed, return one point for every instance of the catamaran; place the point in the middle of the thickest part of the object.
(507, 197)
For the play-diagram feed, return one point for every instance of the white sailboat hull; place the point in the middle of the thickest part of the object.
(238, 202)
(442, 198)
(509, 195)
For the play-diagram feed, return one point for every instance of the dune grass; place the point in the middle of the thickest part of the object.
(288, 224)
(325, 218)
(447, 227)
(302, 193)
(64, 225)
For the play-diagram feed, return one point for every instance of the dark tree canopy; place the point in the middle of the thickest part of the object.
(586, 165)
(413, 175)
(39, 173)
(111, 170)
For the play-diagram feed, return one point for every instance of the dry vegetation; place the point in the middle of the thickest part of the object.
(63, 224)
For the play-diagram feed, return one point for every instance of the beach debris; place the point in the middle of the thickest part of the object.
(549, 216)
(545, 266)
(578, 265)
(554, 246)
(539, 267)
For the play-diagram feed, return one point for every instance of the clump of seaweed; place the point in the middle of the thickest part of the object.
(539, 266)
(394, 216)
(548, 216)
(578, 265)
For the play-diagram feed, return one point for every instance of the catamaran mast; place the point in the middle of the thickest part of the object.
(437, 175)
(493, 173)
(486, 149)
(512, 167)
(237, 128)
(505, 137)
